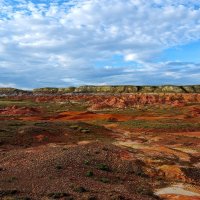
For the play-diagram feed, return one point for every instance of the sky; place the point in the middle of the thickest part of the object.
(63, 43)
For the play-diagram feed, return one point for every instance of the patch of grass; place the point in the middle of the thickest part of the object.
(86, 162)
(92, 198)
(20, 198)
(169, 125)
(10, 180)
(104, 180)
(89, 174)
(59, 167)
(8, 192)
(79, 128)
(58, 195)
(80, 190)
(103, 167)
(99, 122)
(144, 191)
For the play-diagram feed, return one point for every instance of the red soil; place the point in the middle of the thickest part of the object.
(15, 110)
(132, 100)
(179, 197)
(98, 102)
(39, 171)
(89, 116)
(189, 134)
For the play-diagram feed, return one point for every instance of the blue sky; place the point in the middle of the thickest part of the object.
(62, 43)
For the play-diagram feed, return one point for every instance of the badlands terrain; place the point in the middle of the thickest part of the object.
(100, 143)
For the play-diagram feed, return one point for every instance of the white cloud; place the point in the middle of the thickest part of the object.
(131, 57)
(71, 36)
(172, 74)
(7, 85)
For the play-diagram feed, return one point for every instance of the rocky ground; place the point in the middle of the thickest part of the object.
(79, 146)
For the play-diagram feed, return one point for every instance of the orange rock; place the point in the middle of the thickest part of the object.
(172, 172)
(179, 197)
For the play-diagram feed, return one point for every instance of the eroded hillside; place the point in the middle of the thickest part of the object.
(100, 146)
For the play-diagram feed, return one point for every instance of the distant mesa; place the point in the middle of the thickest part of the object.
(117, 89)
(13, 92)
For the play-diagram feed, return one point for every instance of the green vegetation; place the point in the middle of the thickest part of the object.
(12, 179)
(162, 125)
(49, 90)
(80, 190)
(89, 174)
(86, 162)
(140, 89)
(59, 167)
(58, 195)
(104, 180)
(8, 192)
(11, 91)
(80, 129)
(103, 167)
(49, 108)
(27, 133)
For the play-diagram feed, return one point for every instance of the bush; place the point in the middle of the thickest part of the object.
(104, 180)
(80, 189)
(58, 195)
(89, 174)
(86, 162)
(8, 192)
(103, 167)
(59, 167)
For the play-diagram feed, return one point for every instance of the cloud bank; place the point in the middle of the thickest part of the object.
(62, 43)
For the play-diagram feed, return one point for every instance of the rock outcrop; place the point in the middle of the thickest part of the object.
(102, 89)
(134, 100)
(13, 92)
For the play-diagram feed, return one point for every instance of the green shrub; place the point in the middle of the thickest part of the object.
(89, 174)
(103, 167)
(86, 162)
(104, 180)
(59, 167)
(80, 189)
(58, 195)
(8, 192)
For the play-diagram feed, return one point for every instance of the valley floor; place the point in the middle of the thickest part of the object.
(64, 149)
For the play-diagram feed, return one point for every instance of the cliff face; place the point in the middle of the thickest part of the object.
(13, 92)
(122, 89)
(53, 90)
(105, 89)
